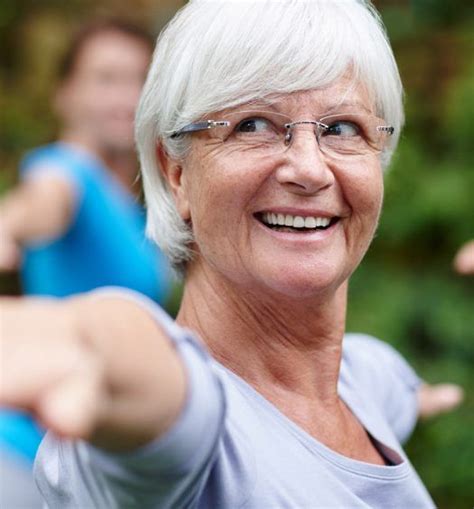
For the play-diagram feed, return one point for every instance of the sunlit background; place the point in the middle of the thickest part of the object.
(405, 292)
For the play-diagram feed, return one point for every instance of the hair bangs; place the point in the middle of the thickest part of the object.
(255, 50)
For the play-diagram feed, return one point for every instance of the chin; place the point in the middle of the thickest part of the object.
(303, 283)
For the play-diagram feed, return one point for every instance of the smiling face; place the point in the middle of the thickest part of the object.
(295, 222)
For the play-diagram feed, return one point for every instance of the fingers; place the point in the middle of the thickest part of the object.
(437, 399)
(72, 408)
(10, 255)
(47, 369)
(464, 260)
(62, 387)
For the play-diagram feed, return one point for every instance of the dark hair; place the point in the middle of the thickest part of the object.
(92, 29)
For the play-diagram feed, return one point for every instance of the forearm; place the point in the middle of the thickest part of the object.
(99, 368)
(38, 209)
(144, 377)
(165, 473)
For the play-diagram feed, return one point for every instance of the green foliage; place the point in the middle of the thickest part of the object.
(406, 291)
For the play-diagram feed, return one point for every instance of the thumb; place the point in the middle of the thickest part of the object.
(73, 407)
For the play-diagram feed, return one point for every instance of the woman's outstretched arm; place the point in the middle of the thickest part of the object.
(95, 367)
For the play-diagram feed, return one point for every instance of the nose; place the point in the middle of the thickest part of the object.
(305, 169)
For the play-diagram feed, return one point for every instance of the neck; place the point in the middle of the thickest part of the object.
(281, 347)
(122, 163)
(289, 351)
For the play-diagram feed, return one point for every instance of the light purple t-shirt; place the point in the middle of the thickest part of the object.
(232, 449)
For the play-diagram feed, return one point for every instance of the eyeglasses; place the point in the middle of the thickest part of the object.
(266, 133)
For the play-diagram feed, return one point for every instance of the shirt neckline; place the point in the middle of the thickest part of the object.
(357, 467)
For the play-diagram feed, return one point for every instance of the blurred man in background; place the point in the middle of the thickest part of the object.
(74, 222)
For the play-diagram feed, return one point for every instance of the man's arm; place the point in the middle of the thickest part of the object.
(438, 398)
(464, 259)
(40, 208)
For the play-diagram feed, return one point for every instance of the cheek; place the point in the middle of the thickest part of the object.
(371, 198)
(212, 215)
(375, 196)
(215, 205)
(364, 191)
(220, 198)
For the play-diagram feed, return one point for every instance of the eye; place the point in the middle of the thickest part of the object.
(342, 128)
(254, 125)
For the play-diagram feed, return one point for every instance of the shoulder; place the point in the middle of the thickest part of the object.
(377, 370)
(361, 348)
(44, 154)
(371, 359)
(57, 159)
(59, 164)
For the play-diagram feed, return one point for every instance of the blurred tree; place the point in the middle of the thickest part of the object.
(406, 292)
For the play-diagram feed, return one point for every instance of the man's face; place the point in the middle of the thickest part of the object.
(98, 100)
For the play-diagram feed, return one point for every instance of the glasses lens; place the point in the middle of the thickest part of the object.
(264, 133)
(351, 134)
(260, 132)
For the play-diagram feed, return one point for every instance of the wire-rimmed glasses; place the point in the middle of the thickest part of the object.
(264, 133)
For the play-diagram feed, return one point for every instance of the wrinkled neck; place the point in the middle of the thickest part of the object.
(276, 343)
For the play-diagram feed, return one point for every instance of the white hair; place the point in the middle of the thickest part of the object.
(216, 54)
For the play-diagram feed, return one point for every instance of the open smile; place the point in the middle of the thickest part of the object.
(295, 223)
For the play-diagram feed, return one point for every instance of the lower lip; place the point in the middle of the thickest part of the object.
(301, 237)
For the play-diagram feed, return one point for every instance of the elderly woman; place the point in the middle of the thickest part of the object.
(263, 131)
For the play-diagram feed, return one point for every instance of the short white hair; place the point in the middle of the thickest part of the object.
(217, 54)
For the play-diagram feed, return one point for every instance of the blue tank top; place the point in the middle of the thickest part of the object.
(105, 243)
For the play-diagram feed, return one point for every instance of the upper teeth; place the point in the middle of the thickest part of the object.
(295, 221)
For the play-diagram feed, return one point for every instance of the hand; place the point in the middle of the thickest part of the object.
(90, 367)
(10, 250)
(438, 398)
(464, 260)
(47, 368)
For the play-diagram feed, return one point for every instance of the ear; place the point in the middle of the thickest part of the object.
(172, 170)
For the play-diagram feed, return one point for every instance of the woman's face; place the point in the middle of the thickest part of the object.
(99, 98)
(227, 193)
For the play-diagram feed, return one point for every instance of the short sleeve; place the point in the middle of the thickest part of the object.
(50, 161)
(388, 378)
(169, 472)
